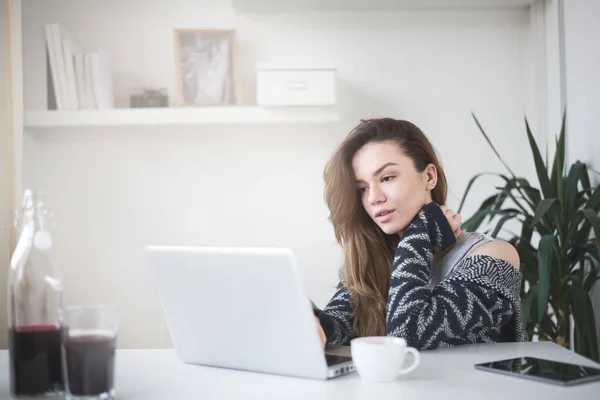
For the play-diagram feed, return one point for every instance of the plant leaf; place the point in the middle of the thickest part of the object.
(594, 201)
(532, 193)
(559, 163)
(526, 231)
(540, 167)
(472, 224)
(585, 322)
(545, 261)
(581, 233)
(541, 210)
(547, 327)
(470, 184)
(491, 145)
(591, 277)
(594, 252)
(594, 220)
(511, 185)
(527, 302)
(502, 221)
(572, 181)
(585, 179)
(530, 273)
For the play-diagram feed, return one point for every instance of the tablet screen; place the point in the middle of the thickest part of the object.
(543, 369)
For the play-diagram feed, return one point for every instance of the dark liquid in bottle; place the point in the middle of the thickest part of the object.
(35, 360)
(90, 363)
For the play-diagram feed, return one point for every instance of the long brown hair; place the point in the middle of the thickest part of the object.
(368, 251)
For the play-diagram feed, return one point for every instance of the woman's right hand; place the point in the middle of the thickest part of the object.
(322, 335)
(454, 219)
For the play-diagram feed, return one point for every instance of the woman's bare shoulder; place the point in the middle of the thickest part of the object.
(499, 249)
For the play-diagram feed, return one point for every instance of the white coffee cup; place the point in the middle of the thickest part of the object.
(380, 358)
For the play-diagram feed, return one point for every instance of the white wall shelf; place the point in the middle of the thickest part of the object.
(179, 116)
(250, 6)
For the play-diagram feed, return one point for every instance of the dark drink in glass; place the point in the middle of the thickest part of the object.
(90, 361)
(89, 348)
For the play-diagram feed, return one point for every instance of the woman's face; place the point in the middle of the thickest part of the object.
(391, 190)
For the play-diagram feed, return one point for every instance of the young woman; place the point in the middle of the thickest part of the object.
(409, 270)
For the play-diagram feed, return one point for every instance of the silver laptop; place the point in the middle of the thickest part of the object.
(241, 308)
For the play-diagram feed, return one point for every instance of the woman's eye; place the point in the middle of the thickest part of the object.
(361, 190)
(387, 178)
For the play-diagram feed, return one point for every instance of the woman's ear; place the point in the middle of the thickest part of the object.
(430, 175)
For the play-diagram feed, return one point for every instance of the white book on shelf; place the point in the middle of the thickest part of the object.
(97, 80)
(107, 84)
(69, 49)
(102, 81)
(89, 82)
(62, 72)
(78, 60)
(53, 56)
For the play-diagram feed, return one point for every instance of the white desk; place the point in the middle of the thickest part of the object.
(444, 374)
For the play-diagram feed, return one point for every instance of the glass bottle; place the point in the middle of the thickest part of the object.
(35, 306)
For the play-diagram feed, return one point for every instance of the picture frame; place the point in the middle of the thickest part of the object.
(206, 67)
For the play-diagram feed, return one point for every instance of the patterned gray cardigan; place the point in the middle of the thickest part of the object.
(478, 303)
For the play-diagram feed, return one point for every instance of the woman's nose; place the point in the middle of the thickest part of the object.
(375, 195)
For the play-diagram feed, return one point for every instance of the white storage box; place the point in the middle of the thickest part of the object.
(289, 86)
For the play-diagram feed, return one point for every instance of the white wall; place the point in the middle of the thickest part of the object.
(582, 62)
(116, 190)
(582, 55)
(4, 194)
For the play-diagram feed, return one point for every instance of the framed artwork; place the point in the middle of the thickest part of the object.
(205, 67)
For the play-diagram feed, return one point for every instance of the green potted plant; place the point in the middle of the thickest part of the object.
(559, 257)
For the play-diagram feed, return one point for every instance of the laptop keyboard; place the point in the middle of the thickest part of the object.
(334, 360)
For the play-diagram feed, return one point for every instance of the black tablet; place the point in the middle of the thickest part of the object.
(555, 372)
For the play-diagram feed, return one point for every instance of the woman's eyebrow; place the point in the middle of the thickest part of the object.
(378, 171)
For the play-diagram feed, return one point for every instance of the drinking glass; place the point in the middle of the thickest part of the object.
(89, 346)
